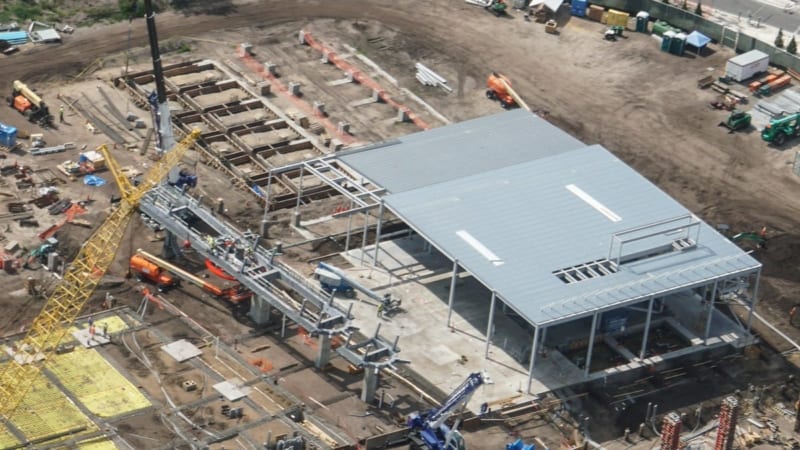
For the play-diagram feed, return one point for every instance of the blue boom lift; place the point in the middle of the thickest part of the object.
(429, 430)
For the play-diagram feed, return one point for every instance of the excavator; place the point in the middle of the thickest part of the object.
(234, 295)
(499, 88)
(779, 130)
(29, 104)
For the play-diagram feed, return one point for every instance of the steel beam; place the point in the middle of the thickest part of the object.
(643, 352)
(591, 344)
(710, 312)
(452, 292)
(532, 364)
(491, 322)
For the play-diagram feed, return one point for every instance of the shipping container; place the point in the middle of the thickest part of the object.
(747, 65)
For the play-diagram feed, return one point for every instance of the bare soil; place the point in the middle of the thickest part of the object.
(639, 103)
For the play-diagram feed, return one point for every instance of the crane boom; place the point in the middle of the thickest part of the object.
(79, 283)
(23, 89)
(206, 286)
(514, 95)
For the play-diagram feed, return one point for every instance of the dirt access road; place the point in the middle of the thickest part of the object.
(641, 104)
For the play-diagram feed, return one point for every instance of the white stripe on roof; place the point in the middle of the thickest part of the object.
(601, 208)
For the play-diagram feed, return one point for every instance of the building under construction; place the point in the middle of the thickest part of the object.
(540, 242)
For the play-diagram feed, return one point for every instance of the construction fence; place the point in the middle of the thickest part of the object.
(687, 20)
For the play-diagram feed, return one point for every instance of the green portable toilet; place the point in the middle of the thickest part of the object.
(678, 44)
(642, 18)
(666, 40)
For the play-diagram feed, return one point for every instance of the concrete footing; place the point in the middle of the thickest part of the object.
(294, 88)
(260, 311)
(324, 355)
(369, 385)
(343, 127)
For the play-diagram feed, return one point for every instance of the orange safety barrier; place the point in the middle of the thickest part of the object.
(364, 80)
(281, 88)
(264, 365)
(308, 340)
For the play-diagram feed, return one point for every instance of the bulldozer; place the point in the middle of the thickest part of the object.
(737, 120)
(29, 104)
(497, 7)
(499, 88)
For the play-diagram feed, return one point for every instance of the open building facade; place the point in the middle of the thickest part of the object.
(586, 269)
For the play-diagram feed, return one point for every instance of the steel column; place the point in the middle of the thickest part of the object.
(378, 235)
(364, 236)
(647, 327)
(299, 192)
(591, 344)
(710, 312)
(754, 301)
(489, 327)
(532, 364)
(349, 224)
(452, 292)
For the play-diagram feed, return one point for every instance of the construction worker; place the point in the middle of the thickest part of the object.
(61, 113)
(792, 313)
(380, 310)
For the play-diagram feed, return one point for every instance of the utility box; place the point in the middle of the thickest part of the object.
(747, 65)
(8, 136)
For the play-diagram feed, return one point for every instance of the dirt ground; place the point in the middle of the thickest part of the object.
(639, 103)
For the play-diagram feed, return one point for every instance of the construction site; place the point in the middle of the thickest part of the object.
(366, 224)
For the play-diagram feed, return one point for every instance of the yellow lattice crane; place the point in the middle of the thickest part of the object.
(79, 282)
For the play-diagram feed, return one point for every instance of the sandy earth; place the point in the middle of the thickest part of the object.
(639, 103)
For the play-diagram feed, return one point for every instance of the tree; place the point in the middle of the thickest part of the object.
(792, 47)
(699, 9)
(779, 39)
(685, 6)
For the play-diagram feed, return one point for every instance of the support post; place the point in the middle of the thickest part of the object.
(283, 327)
(754, 301)
(364, 236)
(378, 234)
(643, 352)
(491, 322)
(591, 345)
(452, 292)
(349, 225)
(370, 384)
(532, 364)
(710, 312)
(299, 198)
(324, 355)
(260, 310)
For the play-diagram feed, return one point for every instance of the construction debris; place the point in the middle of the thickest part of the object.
(430, 78)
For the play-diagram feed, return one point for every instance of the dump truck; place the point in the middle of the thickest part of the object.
(781, 129)
(147, 270)
(29, 104)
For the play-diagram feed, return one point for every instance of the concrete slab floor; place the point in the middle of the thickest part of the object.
(421, 278)
(444, 356)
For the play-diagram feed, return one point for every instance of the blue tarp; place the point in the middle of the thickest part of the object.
(697, 39)
(93, 180)
(14, 37)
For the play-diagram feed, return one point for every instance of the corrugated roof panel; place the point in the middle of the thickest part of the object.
(460, 150)
(748, 57)
(513, 226)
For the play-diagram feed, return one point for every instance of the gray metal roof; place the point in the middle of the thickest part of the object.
(748, 57)
(512, 227)
(459, 150)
